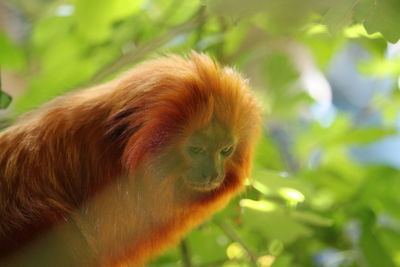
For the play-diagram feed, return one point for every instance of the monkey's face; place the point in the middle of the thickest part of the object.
(206, 152)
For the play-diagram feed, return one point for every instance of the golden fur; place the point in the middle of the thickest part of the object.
(85, 177)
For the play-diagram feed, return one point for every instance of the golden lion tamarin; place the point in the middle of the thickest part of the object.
(113, 174)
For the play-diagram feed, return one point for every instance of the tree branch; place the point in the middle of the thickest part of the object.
(186, 262)
(231, 233)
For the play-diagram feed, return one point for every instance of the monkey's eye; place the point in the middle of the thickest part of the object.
(226, 151)
(196, 150)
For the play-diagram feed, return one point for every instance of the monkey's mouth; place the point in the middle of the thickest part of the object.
(204, 186)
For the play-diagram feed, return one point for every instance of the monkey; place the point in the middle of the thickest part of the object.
(114, 174)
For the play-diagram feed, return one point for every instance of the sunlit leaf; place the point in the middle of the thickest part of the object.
(235, 251)
(358, 30)
(291, 194)
(266, 260)
(260, 205)
(95, 17)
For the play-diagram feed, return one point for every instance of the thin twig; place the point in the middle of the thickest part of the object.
(186, 262)
(231, 233)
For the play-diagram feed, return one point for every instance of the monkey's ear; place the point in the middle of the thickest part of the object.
(120, 126)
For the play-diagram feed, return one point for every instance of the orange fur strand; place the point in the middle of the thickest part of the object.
(83, 179)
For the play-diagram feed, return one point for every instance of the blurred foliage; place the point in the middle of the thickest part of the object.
(324, 190)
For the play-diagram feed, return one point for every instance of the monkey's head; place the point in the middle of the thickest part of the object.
(192, 119)
(205, 154)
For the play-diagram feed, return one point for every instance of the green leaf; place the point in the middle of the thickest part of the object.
(311, 218)
(95, 18)
(5, 100)
(284, 260)
(11, 55)
(383, 17)
(275, 225)
(373, 251)
(49, 30)
(362, 136)
(322, 44)
(267, 155)
(235, 8)
(271, 182)
(339, 15)
(280, 72)
(390, 240)
(213, 249)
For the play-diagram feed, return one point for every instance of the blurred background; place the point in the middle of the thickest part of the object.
(325, 186)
